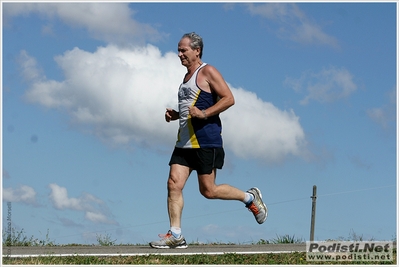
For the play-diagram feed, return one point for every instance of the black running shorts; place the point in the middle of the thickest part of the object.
(203, 160)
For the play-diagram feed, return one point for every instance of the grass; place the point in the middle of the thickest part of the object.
(105, 240)
(295, 258)
(286, 239)
(225, 259)
(19, 238)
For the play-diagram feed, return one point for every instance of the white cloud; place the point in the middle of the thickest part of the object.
(24, 194)
(96, 217)
(328, 85)
(110, 22)
(93, 207)
(29, 66)
(120, 95)
(59, 197)
(292, 23)
(385, 115)
(258, 129)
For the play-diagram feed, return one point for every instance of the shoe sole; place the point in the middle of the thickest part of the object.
(264, 205)
(166, 247)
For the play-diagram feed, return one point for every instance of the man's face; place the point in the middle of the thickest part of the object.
(187, 55)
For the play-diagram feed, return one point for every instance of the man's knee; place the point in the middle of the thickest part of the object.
(207, 185)
(174, 183)
(208, 192)
(177, 178)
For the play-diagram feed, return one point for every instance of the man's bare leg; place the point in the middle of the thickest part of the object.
(210, 190)
(178, 176)
(252, 198)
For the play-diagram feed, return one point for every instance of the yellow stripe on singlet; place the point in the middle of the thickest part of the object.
(193, 137)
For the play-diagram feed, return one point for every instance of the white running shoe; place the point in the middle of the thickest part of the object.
(169, 241)
(257, 206)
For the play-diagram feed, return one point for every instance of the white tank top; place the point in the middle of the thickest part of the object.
(195, 132)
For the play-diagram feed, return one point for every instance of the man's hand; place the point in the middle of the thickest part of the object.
(196, 113)
(171, 115)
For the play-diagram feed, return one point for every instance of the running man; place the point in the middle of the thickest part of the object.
(202, 96)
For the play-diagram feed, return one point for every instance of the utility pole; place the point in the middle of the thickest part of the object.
(313, 218)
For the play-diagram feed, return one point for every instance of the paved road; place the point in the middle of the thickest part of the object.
(146, 250)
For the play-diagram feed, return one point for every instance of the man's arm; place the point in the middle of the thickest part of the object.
(211, 80)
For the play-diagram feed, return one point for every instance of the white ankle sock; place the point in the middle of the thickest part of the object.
(176, 231)
(248, 198)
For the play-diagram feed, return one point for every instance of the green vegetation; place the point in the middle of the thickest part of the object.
(286, 239)
(19, 238)
(105, 240)
(225, 259)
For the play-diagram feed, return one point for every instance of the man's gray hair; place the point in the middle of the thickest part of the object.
(196, 41)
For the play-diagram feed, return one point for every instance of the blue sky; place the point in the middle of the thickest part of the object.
(86, 148)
